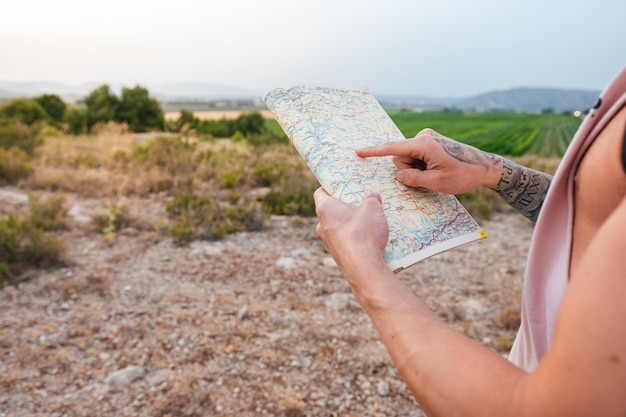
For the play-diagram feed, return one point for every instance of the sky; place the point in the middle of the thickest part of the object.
(393, 47)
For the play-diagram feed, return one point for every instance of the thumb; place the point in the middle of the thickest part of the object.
(412, 177)
(373, 197)
(430, 179)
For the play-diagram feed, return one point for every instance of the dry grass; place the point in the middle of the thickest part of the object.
(217, 114)
(114, 162)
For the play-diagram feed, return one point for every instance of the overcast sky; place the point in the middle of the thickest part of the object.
(420, 47)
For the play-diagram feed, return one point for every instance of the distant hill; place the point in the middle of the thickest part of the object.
(201, 91)
(10, 89)
(517, 99)
(166, 91)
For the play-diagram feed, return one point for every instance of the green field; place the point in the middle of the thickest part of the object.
(512, 134)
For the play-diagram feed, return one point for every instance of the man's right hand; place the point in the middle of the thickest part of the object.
(433, 161)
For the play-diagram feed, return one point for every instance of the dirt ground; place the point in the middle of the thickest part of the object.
(256, 324)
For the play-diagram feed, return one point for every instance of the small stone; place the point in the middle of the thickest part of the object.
(338, 300)
(328, 261)
(286, 262)
(124, 377)
(243, 313)
(383, 388)
(469, 309)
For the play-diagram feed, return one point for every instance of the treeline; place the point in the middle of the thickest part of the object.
(134, 107)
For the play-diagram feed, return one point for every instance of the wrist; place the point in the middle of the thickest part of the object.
(499, 173)
(371, 281)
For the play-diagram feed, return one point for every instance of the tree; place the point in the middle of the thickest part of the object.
(76, 120)
(53, 105)
(25, 110)
(186, 118)
(250, 123)
(140, 111)
(102, 106)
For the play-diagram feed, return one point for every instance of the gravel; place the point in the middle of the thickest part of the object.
(258, 323)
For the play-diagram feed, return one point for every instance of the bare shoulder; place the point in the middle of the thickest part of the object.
(600, 183)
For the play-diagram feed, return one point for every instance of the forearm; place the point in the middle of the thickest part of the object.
(522, 188)
(448, 373)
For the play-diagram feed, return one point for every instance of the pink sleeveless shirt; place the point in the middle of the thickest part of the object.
(547, 271)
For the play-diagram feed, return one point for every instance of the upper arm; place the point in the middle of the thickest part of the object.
(584, 372)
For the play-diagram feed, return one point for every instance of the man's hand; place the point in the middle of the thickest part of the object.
(433, 161)
(352, 234)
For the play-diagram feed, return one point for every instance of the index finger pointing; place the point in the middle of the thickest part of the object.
(395, 148)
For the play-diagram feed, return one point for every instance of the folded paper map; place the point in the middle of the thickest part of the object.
(326, 126)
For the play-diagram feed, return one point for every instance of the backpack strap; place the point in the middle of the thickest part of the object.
(624, 151)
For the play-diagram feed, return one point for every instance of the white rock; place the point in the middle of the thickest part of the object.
(469, 309)
(124, 377)
(285, 262)
(329, 262)
(383, 388)
(338, 300)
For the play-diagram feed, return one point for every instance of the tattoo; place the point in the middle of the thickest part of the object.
(523, 188)
(465, 153)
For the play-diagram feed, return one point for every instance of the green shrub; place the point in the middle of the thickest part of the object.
(172, 154)
(294, 196)
(248, 218)
(203, 217)
(268, 173)
(75, 120)
(249, 123)
(53, 105)
(49, 214)
(14, 165)
(181, 229)
(10, 230)
(266, 137)
(112, 220)
(234, 197)
(139, 110)
(23, 109)
(101, 105)
(231, 177)
(222, 128)
(41, 249)
(22, 243)
(480, 202)
(14, 133)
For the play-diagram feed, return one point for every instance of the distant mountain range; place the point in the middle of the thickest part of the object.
(517, 99)
(166, 91)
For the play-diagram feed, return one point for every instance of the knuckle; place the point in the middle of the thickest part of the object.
(427, 132)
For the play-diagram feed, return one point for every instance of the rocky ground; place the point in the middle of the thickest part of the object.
(255, 324)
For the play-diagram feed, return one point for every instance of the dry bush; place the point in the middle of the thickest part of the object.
(110, 129)
(14, 165)
(511, 318)
(237, 175)
(28, 241)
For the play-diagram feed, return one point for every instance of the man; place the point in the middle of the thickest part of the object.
(569, 358)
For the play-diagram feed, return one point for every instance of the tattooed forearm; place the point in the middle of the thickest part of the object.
(467, 154)
(523, 188)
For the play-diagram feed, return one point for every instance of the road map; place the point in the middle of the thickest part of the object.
(326, 126)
